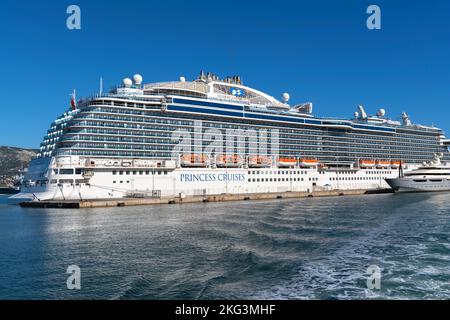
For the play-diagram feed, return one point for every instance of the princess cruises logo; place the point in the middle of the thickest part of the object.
(237, 92)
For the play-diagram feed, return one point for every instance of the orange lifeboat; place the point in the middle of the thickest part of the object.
(383, 164)
(287, 162)
(366, 163)
(228, 161)
(194, 160)
(259, 161)
(309, 162)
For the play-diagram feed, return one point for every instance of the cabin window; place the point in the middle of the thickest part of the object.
(65, 171)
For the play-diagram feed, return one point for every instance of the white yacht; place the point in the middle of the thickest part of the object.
(432, 176)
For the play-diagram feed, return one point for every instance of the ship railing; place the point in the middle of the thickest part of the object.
(190, 86)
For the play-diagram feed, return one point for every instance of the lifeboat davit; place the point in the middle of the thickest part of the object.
(229, 161)
(259, 162)
(194, 160)
(287, 162)
(309, 162)
(367, 163)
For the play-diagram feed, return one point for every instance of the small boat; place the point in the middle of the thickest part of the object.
(9, 190)
(367, 163)
(259, 162)
(229, 161)
(287, 162)
(383, 164)
(432, 176)
(309, 162)
(194, 160)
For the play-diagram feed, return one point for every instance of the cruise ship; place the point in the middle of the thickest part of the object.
(213, 136)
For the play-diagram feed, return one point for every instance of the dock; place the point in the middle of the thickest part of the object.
(126, 202)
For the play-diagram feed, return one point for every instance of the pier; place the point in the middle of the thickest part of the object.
(126, 202)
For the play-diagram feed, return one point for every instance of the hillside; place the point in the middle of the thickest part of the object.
(11, 161)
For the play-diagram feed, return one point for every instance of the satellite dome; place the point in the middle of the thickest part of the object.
(127, 82)
(137, 79)
(381, 112)
(285, 96)
(356, 114)
(182, 79)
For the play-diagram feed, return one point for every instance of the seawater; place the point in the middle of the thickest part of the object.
(315, 248)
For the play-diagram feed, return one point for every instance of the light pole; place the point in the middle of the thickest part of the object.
(226, 174)
(337, 172)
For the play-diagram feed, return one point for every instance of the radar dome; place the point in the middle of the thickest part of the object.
(182, 79)
(285, 96)
(137, 79)
(381, 112)
(127, 82)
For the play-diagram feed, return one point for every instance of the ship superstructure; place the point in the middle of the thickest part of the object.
(214, 136)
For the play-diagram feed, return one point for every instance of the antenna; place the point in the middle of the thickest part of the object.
(101, 86)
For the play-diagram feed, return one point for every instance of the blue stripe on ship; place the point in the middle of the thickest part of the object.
(208, 104)
(258, 116)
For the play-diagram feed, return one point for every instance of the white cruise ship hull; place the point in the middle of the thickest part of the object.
(68, 178)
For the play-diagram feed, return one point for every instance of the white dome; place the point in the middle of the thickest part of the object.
(182, 79)
(137, 79)
(285, 96)
(127, 82)
(381, 112)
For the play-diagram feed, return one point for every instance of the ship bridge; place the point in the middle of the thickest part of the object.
(209, 86)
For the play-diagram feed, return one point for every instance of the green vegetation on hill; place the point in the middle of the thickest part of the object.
(11, 161)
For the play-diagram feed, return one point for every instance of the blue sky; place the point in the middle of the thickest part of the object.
(319, 51)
